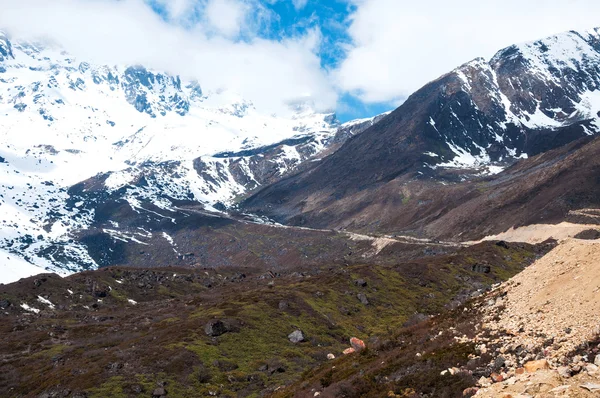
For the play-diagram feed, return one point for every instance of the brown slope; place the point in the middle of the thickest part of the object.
(364, 184)
(542, 189)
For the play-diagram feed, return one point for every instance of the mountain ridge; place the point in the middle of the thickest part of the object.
(474, 121)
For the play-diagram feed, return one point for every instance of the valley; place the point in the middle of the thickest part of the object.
(162, 240)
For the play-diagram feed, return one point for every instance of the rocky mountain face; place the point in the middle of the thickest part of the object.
(470, 123)
(141, 137)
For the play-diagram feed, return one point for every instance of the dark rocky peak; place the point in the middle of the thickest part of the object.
(5, 47)
(195, 90)
(154, 93)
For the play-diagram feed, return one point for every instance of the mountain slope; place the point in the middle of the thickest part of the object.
(477, 120)
(149, 136)
(119, 332)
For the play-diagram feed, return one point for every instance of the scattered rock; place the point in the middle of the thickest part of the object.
(4, 304)
(470, 392)
(283, 305)
(502, 244)
(349, 351)
(481, 269)
(497, 378)
(357, 344)
(499, 363)
(564, 372)
(363, 298)
(591, 368)
(560, 389)
(216, 328)
(159, 392)
(360, 283)
(296, 337)
(330, 357)
(593, 387)
(597, 360)
(534, 366)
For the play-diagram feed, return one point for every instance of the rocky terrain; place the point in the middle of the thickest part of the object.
(228, 331)
(536, 335)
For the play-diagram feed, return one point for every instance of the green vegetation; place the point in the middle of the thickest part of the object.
(120, 350)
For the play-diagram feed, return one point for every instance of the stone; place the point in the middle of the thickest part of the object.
(484, 382)
(4, 304)
(330, 356)
(497, 378)
(360, 283)
(159, 392)
(520, 371)
(363, 298)
(591, 368)
(216, 328)
(357, 344)
(296, 337)
(502, 244)
(597, 360)
(470, 392)
(593, 387)
(534, 366)
(564, 372)
(349, 351)
(499, 363)
(283, 305)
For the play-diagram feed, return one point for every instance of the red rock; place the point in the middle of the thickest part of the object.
(470, 392)
(520, 371)
(496, 378)
(357, 344)
(349, 351)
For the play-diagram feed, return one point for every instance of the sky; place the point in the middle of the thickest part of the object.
(357, 58)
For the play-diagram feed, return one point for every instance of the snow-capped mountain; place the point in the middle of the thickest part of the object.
(146, 136)
(471, 122)
(489, 111)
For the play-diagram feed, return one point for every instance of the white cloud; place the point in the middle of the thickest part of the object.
(226, 16)
(270, 73)
(299, 4)
(178, 9)
(399, 45)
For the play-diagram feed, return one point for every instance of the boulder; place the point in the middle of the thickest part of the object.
(357, 344)
(216, 328)
(296, 337)
(360, 283)
(534, 366)
(363, 298)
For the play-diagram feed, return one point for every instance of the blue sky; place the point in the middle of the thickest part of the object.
(357, 58)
